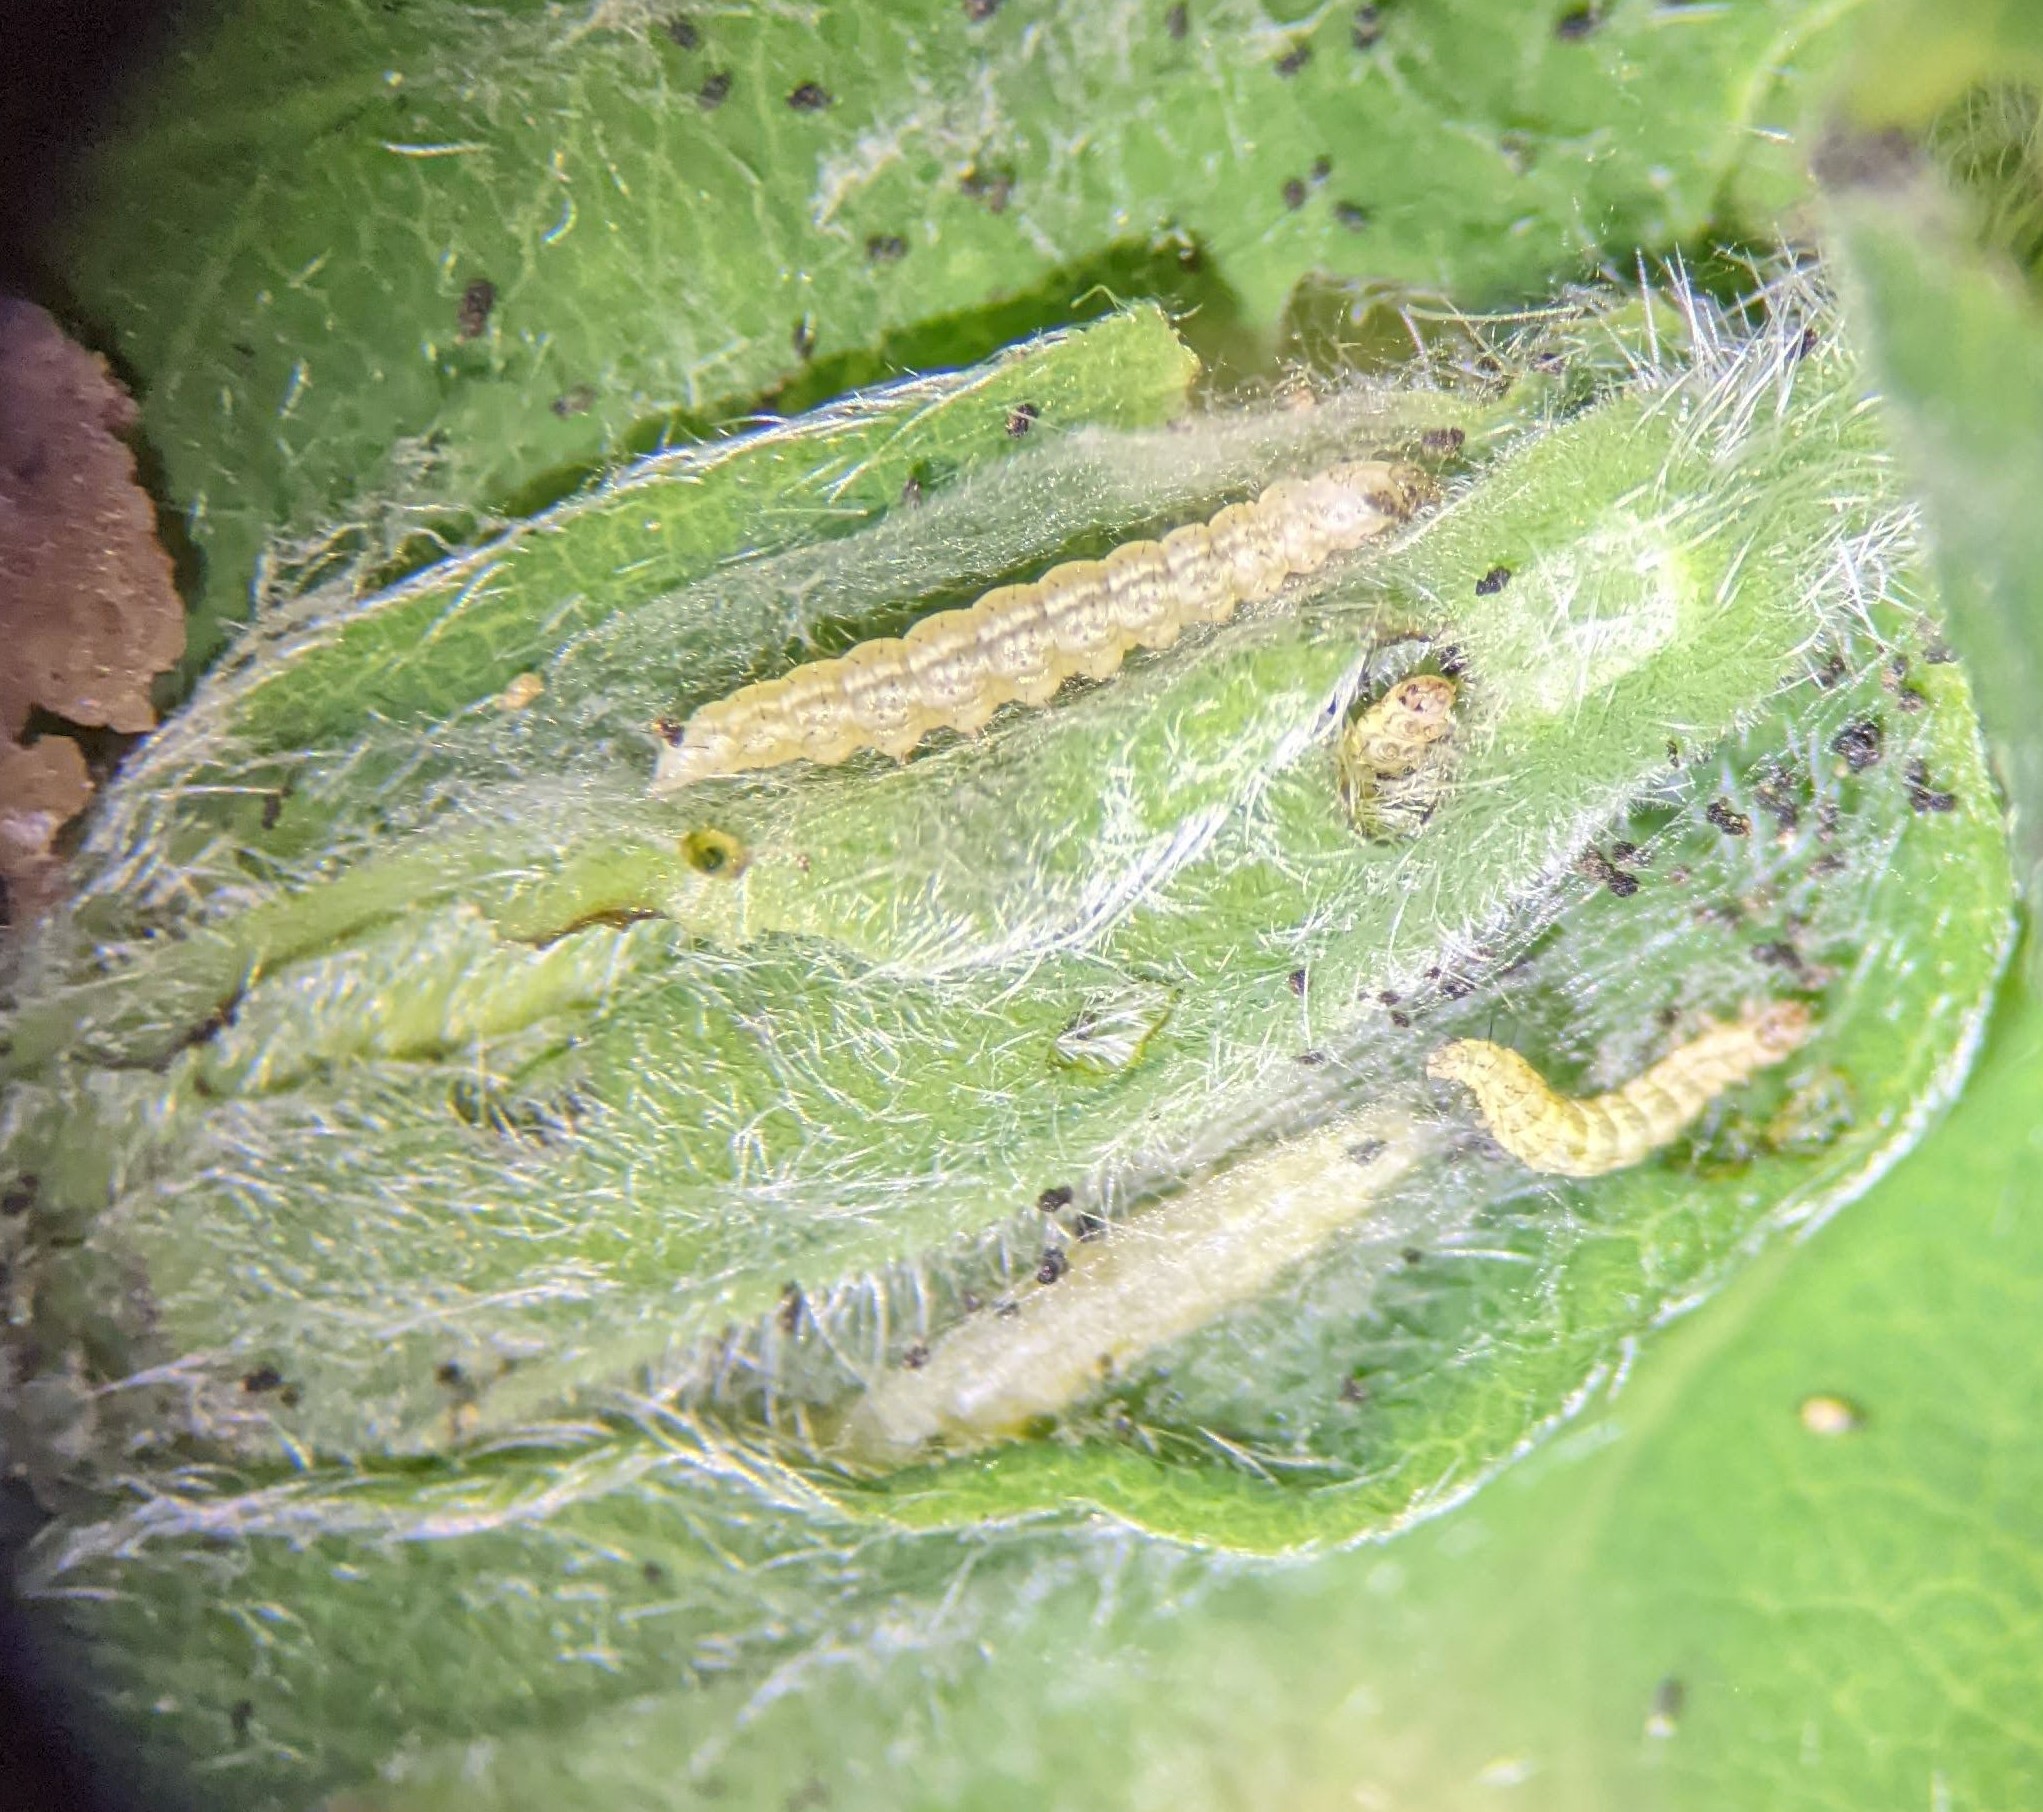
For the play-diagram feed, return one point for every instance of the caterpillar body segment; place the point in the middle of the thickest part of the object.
(1562, 1136)
(1391, 761)
(1019, 643)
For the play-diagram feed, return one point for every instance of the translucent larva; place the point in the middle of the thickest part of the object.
(523, 689)
(1390, 761)
(1561, 1136)
(1018, 644)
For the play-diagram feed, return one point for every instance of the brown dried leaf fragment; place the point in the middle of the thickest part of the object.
(87, 603)
(42, 787)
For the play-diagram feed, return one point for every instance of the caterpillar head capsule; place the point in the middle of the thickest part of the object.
(1779, 1027)
(1357, 499)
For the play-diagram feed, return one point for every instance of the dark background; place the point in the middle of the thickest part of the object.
(63, 67)
(63, 64)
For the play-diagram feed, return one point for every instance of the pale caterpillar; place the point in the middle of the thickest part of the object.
(1559, 1136)
(1106, 1305)
(954, 669)
(1389, 759)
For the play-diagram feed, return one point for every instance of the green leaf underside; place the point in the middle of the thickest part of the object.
(1954, 340)
(1691, 1601)
(412, 1247)
(433, 649)
(571, 1637)
(280, 238)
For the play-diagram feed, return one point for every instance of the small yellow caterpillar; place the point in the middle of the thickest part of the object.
(1551, 1133)
(954, 669)
(1388, 760)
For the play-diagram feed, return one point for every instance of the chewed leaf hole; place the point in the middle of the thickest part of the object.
(714, 852)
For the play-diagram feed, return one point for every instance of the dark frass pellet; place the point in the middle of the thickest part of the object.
(1776, 799)
(886, 248)
(1367, 29)
(1178, 21)
(1601, 868)
(1297, 981)
(1493, 581)
(1859, 743)
(991, 187)
(1294, 59)
(808, 97)
(1727, 818)
(715, 90)
(1055, 1198)
(683, 31)
(1021, 418)
(1922, 796)
(916, 1357)
(1053, 1266)
(1294, 194)
(263, 1378)
(478, 300)
(1352, 215)
(1665, 1717)
(1572, 27)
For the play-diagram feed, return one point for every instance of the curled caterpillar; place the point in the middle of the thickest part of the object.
(1587, 1138)
(954, 669)
(1389, 759)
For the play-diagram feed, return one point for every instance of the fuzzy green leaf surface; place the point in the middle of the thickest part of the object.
(1699, 1597)
(564, 1117)
(1691, 1601)
(1954, 338)
(691, 1599)
(380, 272)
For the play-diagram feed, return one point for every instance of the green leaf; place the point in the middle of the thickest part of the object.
(1521, 1301)
(1955, 343)
(571, 1118)
(291, 238)
(1691, 1600)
